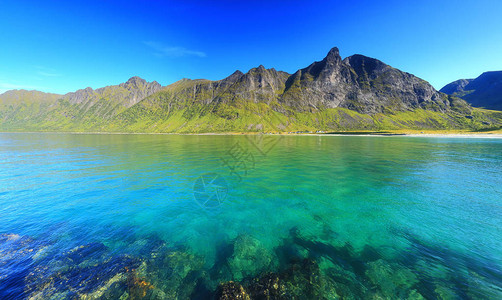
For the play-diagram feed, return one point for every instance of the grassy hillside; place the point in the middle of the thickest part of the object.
(191, 106)
(355, 94)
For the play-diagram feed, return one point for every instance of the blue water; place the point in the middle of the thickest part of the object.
(398, 217)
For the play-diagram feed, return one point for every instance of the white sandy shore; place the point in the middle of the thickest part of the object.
(431, 135)
(459, 135)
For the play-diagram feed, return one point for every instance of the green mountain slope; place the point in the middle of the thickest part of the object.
(83, 110)
(356, 93)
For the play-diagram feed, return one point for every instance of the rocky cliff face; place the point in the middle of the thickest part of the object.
(259, 85)
(484, 91)
(323, 84)
(126, 94)
(360, 83)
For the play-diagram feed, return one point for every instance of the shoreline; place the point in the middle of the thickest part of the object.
(440, 134)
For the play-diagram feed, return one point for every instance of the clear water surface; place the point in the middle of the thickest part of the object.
(379, 216)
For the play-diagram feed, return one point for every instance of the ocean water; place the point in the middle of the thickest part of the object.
(173, 216)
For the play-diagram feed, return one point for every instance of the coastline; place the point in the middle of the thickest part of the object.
(439, 134)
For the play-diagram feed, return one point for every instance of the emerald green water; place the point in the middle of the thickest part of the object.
(395, 216)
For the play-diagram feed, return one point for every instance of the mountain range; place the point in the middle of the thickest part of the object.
(334, 94)
(484, 91)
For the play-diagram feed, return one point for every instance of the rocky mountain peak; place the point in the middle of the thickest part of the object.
(237, 73)
(365, 66)
(135, 82)
(331, 64)
(333, 55)
(80, 96)
(232, 78)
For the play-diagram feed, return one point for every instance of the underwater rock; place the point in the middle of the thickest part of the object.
(15, 248)
(85, 272)
(249, 258)
(173, 274)
(415, 295)
(85, 255)
(301, 280)
(392, 280)
(346, 283)
(231, 291)
(305, 279)
(478, 287)
(445, 293)
(269, 286)
(17, 254)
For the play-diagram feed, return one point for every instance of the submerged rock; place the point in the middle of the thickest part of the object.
(85, 272)
(302, 280)
(392, 280)
(231, 291)
(172, 274)
(249, 258)
(269, 286)
(17, 255)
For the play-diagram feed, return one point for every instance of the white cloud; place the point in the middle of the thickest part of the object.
(165, 51)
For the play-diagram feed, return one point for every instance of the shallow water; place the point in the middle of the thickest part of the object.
(379, 216)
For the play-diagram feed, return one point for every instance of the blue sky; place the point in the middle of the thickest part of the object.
(61, 46)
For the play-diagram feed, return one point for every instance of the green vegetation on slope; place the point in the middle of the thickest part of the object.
(357, 93)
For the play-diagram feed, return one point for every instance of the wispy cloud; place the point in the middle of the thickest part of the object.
(47, 72)
(166, 51)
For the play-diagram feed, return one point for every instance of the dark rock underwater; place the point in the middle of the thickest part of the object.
(301, 268)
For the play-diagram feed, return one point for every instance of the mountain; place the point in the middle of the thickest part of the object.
(33, 110)
(17, 106)
(362, 84)
(456, 86)
(14, 97)
(354, 93)
(484, 91)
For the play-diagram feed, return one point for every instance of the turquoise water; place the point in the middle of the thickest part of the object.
(389, 217)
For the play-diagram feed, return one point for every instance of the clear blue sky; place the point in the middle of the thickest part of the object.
(60, 46)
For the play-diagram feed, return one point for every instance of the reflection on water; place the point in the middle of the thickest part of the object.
(115, 216)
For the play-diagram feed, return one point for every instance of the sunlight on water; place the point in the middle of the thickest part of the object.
(168, 216)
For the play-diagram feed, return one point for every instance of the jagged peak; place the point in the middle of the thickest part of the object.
(333, 55)
(258, 69)
(333, 52)
(234, 76)
(135, 80)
